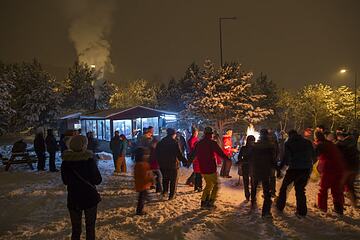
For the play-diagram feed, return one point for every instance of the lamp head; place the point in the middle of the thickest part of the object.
(343, 70)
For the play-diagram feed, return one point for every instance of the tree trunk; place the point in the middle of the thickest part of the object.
(332, 123)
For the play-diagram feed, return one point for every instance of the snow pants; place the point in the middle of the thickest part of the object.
(225, 168)
(52, 166)
(90, 219)
(300, 178)
(266, 192)
(141, 201)
(349, 180)
(332, 181)
(170, 177)
(211, 188)
(273, 182)
(41, 160)
(120, 164)
(159, 180)
(246, 180)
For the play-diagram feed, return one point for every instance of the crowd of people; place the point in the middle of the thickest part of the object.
(295, 157)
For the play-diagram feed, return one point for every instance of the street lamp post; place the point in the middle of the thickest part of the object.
(355, 94)
(220, 32)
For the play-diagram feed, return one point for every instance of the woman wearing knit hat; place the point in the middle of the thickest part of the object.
(80, 173)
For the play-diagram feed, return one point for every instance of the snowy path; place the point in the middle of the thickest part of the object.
(33, 206)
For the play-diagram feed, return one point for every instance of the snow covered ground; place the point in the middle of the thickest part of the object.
(33, 206)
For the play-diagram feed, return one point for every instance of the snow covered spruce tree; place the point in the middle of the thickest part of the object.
(6, 110)
(263, 85)
(171, 96)
(103, 93)
(224, 96)
(78, 88)
(35, 96)
(139, 92)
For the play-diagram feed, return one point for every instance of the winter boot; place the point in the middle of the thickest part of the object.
(338, 209)
(204, 204)
(211, 204)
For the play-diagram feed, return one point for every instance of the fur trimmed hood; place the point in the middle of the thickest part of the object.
(69, 155)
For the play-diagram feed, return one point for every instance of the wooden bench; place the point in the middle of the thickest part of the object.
(19, 158)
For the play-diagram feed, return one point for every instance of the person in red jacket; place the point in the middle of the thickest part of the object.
(193, 140)
(204, 152)
(229, 150)
(331, 169)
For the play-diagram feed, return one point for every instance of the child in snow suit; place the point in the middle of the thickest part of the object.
(143, 177)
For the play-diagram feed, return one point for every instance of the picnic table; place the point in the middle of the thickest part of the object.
(19, 158)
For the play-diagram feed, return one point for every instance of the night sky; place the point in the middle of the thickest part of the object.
(294, 42)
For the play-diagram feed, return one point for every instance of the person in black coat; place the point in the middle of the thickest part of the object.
(299, 157)
(243, 161)
(92, 145)
(80, 173)
(347, 144)
(51, 147)
(262, 161)
(40, 148)
(169, 155)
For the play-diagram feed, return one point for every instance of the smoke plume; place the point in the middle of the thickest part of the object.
(91, 22)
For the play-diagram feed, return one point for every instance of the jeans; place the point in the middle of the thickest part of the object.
(170, 177)
(90, 219)
(198, 181)
(300, 178)
(211, 188)
(159, 180)
(141, 201)
(52, 166)
(266, 192)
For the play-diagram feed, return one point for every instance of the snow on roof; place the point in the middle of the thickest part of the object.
(108, 113)
(70, 115)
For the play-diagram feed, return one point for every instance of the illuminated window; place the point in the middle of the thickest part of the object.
(123, 126)
(146, 122)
